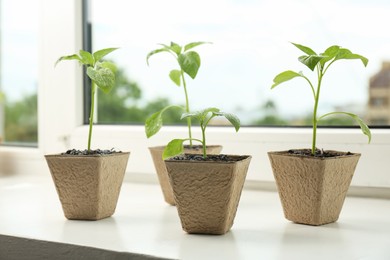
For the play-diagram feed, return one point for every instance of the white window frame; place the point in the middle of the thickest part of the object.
(60, 106)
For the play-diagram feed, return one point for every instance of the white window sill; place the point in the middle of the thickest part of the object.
(257, 141)
(145, 224)
(372, 169)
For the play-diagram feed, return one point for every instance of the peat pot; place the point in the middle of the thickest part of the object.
(312, 189)
(161, 170)
(88, 185)
(207, 193)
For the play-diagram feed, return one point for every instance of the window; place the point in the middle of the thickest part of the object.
(18, 72)
(250, 46)
(60, 120)
(378, 102)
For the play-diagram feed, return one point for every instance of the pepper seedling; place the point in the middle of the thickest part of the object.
(175, 147)
(189, 63)
(320, 63)
(101, 73)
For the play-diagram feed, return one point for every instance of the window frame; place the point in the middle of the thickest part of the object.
(65, 128)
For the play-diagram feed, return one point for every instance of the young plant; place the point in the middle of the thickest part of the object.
(101, 73)
(175, 146)
(189, 63)
(321, 63)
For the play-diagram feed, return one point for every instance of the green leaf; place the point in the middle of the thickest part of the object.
(193, 45)
(305, 49)
(363, 126)
(87, 58)
(155, 52)
(175, 76)
(108, 65)
(311, 61)
(329, 54)
(68, 57)
(154, 123)
(98, 55)
(285, 76)
(103, 77)
(365, 129)
(233, 119)
(173, 148)
(192, 115)
(189, 62)
(175, 47)
(348, 55)
(201, 114)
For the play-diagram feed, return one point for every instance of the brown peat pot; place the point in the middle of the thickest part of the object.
(88, 186)
(312, 189)
(207, 193)
(161, 169)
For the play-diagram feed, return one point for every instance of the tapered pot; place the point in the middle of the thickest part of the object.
(161, 169)
(312, 190)
(88, 186)
(207, 193)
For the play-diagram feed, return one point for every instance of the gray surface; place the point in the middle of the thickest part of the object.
(16, 248)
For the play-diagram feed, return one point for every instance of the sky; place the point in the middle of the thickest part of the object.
(19, 47)
(250, 45)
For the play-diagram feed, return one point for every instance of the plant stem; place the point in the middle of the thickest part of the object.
(204, 141)
(187, 107)
(315, 121)
(91, 113)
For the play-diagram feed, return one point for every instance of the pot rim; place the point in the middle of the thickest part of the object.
(286, 153)
(163, 146)
(85, 156)
(244, 157)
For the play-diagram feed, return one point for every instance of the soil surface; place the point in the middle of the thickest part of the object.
(90, 152)
(211, 157)
(318, 153)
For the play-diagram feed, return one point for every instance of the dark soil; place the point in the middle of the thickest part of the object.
(211, 157)
(318, 153)
(90, 152)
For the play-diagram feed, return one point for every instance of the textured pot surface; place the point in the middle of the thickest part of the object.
(312, 190)
(207, 193)
(88, 186)
(161, 169)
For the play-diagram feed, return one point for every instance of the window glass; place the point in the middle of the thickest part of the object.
(18, 71)
(250, 46)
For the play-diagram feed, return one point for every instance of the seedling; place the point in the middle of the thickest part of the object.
(175, 146)
(189, 63)
(321, 63)
(101, 73)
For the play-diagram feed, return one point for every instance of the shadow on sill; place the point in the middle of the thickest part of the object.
(16, 248)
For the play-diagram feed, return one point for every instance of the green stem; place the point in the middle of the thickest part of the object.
(187, 107)
(315, 121)
(203, 126)
(93, 90)
(204, 142)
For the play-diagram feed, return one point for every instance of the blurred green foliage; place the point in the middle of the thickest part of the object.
(125, 105)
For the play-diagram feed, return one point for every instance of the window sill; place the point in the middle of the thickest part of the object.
(371, 170)
(256, 141)
(144, 224)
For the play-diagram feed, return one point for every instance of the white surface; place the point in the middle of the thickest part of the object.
(143, 223)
